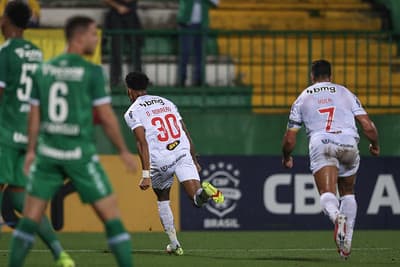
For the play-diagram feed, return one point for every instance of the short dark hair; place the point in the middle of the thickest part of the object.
(19, 14)
(137, 80)
(321, 68)
(77, 23)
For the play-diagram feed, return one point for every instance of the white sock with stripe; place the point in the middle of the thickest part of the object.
(167, 220)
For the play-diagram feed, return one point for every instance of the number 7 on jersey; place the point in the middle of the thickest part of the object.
(331, 113)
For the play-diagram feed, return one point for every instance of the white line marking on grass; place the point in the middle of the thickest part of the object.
(207, 250)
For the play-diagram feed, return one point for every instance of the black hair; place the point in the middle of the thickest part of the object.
(137, 81)
(77, 23)
(19, 14)
(321, 68)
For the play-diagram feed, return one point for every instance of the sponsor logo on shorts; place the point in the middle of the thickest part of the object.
(226, 177)
(166, 167)
(329, 141)
(173, 145)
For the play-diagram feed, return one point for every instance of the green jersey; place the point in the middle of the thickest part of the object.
(66, 88)
(18, 61)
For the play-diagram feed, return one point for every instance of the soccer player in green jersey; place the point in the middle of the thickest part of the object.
(18, 60)
(60, 132)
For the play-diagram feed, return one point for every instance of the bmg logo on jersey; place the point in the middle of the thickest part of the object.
(316, 90)
(226, 177)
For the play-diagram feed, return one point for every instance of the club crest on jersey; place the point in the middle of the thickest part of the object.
(316, 90)
(147, 103)
(173, 145)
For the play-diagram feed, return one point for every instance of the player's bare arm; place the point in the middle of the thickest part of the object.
(192, 148)
(370, 132)
(33, 132)
(143, 150)
(111, 128)
(288, 145)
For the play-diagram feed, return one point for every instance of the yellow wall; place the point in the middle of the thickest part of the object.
(138, 208)
(52, 42)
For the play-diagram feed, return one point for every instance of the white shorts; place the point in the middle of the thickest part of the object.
(163, 168)
(334, 150)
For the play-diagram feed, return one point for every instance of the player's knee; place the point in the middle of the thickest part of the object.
(107, 208)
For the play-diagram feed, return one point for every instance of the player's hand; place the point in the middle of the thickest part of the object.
(145, 183)
(29, 158)
(127, 159)
(287, 163)
(374, 150)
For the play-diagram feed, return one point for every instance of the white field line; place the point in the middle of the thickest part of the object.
(212, 250)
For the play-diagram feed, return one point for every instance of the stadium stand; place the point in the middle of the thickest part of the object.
(298, 31)
(269, 46)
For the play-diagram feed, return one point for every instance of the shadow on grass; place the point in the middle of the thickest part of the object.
(266, 258)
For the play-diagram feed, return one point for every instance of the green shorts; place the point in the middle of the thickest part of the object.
(89, 179)
(11, 166)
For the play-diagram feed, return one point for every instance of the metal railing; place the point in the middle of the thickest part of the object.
(276, 64)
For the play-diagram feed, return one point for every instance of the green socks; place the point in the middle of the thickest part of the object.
(119, 242)
(45, 229)
(21, 242)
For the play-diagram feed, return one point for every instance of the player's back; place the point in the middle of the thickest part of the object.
(19, 59)
(66, 88)
(161, 120)
(329, 108)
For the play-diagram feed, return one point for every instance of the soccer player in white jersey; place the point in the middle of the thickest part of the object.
(165, 148)
(328, 112)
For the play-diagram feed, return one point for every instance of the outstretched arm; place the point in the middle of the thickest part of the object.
(370, 132)
(143, 150)
(110, 125)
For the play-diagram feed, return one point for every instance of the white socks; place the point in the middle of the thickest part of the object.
(167, 220)
(348, 207)
(330, 205)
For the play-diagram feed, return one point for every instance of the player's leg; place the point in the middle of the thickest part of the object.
(349, 163)
(24, 235)
(7, 158)
(324, 166)
(45, 229)
(189, 178)
(348, 207)
(326, 181)
(93, 186)
(167, 219)
(118, 238)
(44, 182)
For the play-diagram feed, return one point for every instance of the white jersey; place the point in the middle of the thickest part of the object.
(162, 123)
(326, 108)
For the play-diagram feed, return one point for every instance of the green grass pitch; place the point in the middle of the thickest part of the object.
(230, 249)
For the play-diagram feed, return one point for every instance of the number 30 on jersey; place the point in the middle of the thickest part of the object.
(167, 127)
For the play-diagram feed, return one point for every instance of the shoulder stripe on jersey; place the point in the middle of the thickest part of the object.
(101, 101)
(34, 101)
(5, 44)
(2, 84)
